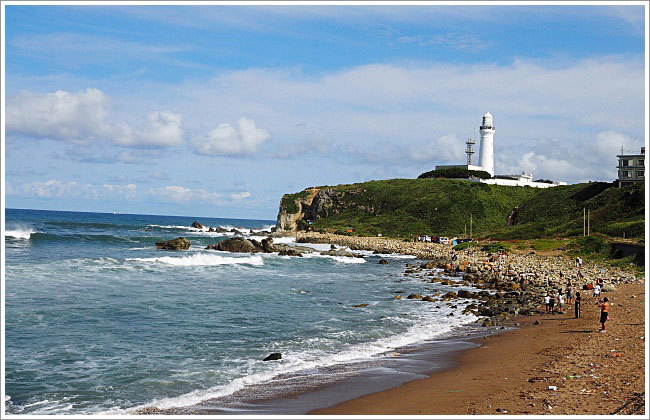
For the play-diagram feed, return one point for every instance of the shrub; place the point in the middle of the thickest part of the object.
(455, 173)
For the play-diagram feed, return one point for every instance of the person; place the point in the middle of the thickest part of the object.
(551, 304)
(560, 298)
(569, 296)
(547, 302)
(577, 303)
(597, 290)
(604, 312)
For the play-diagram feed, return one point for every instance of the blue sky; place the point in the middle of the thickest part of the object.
(219, 110)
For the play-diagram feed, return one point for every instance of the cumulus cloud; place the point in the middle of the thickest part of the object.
(226, 140)
(84, 118)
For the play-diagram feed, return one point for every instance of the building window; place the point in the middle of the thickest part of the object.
(641, 162)
(640, 173)
(625, 162)
(625, 174)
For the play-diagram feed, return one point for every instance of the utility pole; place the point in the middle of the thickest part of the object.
(465, 231)
(470, 226)
(584, 221)
(588, 214)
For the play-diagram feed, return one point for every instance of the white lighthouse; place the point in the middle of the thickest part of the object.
(487, 144)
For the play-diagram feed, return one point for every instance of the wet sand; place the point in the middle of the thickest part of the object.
(510, 373)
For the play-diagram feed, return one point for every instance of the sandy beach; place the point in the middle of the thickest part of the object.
(549, 364)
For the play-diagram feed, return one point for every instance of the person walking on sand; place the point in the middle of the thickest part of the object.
(560, 298)
(577, 304)
(597, 290)
(551, 303)
(569, 296)
(604, 312)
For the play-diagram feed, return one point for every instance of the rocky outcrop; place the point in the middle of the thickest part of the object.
(237, 245)
(297, 210)
(197, 225)
(174, 244)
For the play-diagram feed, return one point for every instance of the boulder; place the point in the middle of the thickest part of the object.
(361, 305)
(197, 225)
(383, 261)
(237, 245)
(428, 299)
(414, 296)
(174, 244)
(449, 295)
(465, 294)
(211, 246)
(428, 265)
(290, 253)
(273, 356)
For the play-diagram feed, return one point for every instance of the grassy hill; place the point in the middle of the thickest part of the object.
(409, 207)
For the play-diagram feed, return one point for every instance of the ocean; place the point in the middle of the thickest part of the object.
(99, 321)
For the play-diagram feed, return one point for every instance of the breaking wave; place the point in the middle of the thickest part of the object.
(203, 259)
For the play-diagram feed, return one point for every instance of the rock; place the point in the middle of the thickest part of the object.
(428, 265)
(414, 296)
(449, 295)
(361, 305)
(237, 245)
(398, 297)
(290, 253)
(428, 299)
(465, 294)
(341, 253)
(197, 225)
(211, 246)
(174, 244)
(536, 323)
(273, 356)
(383, 261)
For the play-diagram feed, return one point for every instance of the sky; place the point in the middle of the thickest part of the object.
(218, 110)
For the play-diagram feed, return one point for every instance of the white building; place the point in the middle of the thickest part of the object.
(486, 161)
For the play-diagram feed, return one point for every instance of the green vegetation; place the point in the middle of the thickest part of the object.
(603, 249)
(558, 212)
(455, 173)
(289, 202)
(410, 207)
(465, 245)
(495, 247)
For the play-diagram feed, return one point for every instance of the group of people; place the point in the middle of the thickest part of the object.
(557, 297)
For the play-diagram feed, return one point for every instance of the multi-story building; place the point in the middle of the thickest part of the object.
(631, 168)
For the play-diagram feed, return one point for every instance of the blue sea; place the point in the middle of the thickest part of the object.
(99, 321)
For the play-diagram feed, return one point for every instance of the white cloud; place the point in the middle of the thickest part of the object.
(84, 118)
(448, 149)
(76, 117)
(183, 195)
(227, 140)
(459, 41)
(240, 196)
(56, 188)
(163, 130)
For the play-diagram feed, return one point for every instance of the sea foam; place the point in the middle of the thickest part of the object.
(203, 259)
(20, 233)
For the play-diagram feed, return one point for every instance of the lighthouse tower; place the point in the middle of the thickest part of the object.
(487, 144)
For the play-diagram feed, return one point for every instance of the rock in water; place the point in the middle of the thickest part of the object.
(290, 253)
(237, 245)
(273, 356)
(174, 244)
(197, 225)
(383, 261)
(211, 246)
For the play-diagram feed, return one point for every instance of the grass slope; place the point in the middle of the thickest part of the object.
(558, 212)
(408, 207)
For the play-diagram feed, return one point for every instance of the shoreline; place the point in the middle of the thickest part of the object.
(466, 369)
(511, 372)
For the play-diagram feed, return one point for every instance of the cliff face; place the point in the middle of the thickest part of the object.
(311, 205)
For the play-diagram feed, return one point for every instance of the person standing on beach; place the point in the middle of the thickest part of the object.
(577, 304)
(604, 312)
(569, 296)
(560, 298)
(551, 303)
